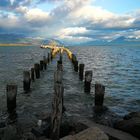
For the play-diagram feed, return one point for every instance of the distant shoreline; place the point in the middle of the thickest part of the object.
(14, 44)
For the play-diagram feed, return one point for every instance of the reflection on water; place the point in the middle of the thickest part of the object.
(118, 68)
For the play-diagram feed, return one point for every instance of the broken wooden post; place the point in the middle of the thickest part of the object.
(88, 79)
(44, 62)
(99, 97)
(57, 106)
(11, 92)
(59, 65)
(76, 66)
(60, 58)
(48, 59)
(73, 58)
(37, 70)
(81, 71)
(51, 54)
(32, 74)
(58, 76)
(26, 81)
(41, 65)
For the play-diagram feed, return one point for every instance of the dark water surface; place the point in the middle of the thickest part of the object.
(118, 68)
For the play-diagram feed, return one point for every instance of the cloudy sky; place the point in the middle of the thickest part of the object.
(71, 20)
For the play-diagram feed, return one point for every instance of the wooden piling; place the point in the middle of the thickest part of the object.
(41, 65)
(99, 94)
(57, 106)
(58, 76)
(51, 56)
(73, 58)
(59, 65)
(26, 81)
(60, 58)
(48, 59)
(88, 79)
(44, 62)
(37, 70)
(11, 92)
(81, 71)
(76, 66)
(32, 74)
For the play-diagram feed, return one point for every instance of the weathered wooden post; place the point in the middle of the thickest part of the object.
(73, 58)
(26, 81)
(44, 62)
(57, 108)
(11, 92)
(37, 70)
(76, 66)
(99, 97)
(88, 79)
(51, 55)
(48, 59)
(32, 74)
(41, 65)
(59, 65)
(81, 71)
(60, 58)
(58, 76)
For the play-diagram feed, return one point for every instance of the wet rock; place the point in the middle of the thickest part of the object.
(65, 128)
(10, 133)
(78, 127)
(106, 118)
(132, 115)
(70, 127)
(43, 130)
(29, 136)
(2, 124)
(130, 124)
(1, 133)
(92, 133)
(37, 132)
(42, 138)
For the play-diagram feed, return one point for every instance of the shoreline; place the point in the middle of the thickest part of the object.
(14, 44)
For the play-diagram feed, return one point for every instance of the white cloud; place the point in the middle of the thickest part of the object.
(22, 9)
(97, 17)
(91, 13)
(134, 34)
(72, 31)
(73, 39)
(67, 34)
(9, 21)
(36, 16)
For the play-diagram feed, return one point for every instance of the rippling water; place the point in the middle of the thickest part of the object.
(117, 67)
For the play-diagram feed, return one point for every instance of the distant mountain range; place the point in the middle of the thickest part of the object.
(118, 41)
(20, 38)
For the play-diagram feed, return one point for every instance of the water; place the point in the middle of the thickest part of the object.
(117, 67)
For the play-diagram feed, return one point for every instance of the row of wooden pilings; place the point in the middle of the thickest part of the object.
(99, 88)
(57, 103)
(28, 78)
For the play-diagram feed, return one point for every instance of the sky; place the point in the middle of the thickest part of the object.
(71, 20)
